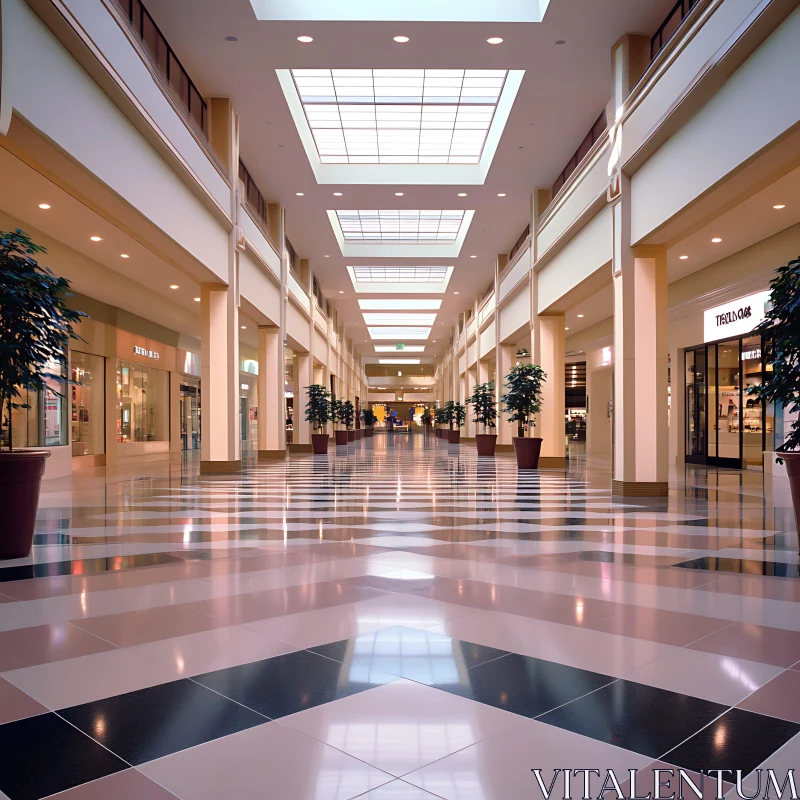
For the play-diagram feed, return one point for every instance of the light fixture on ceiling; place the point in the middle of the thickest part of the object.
(197, 299)
(777, 207)
(327, 256)
(244, 327)
(566, 329)
(124, 255)
(399, 361)
(455, 292)
(95, 238)
(462, 194)
(305, 39)
(494, 40)
(231, 38)
(341, 291)
(399, 373)
(683, 258)
(337, 194)
(716, 240)
(401, 39)
(580, 316)
(501, 194)
(300, 194)
(44, 206)
(174, 286)
(473, 256)
(393, 304)
(398, 194)
(560, 41)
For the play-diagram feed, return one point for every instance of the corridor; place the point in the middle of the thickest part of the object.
(397, 620)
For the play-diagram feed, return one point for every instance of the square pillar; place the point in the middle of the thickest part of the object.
(640, 465)
(271, 413)
(550, 422)
(220, 443)
(506, 359)
(305, 377)
(472, 428)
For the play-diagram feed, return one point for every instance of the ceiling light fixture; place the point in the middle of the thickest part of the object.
(95, 238)
(327, 256)
(44, 206)
(174, 286)
(337, 194)
(341, 291)
(473, 256)
(305, 39)
(231, 38)
(455, 292)
(566, 329)
(124, 255)
(494, 40)
(300, 194)
(197, 299)
(398, 194)
(580, 316)
(462, 194)
(560, 41)
(401, 39)
(683, 258)
(716, 240)
(244, 327)
(777, 207)
(501, 194)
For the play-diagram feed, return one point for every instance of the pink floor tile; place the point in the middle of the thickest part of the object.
(15, 704)
(755, 643)
(779, 698)
(126, 785)
(25, 647)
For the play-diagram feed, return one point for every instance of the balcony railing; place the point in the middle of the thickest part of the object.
(253, 196)
(670, 25)
(164, 58)
(596, 131)
(518, 244)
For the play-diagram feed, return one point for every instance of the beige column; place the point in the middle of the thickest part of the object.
(301, 439)
(483, 371)
(271, 415)
(549, 355)
(471, 428)
(599, 375)
(220, 443)
(506, 358)
(640, 362)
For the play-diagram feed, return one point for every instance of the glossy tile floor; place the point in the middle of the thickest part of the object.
(399, 620)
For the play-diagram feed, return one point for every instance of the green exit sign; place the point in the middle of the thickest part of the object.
(400, 346)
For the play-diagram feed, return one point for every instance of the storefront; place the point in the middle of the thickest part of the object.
(190, 400)
(725, 425)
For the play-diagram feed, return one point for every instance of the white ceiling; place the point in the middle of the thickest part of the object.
(563, 90)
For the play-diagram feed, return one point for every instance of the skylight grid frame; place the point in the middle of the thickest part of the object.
(408, 226)
(401, 274)
(412, 116)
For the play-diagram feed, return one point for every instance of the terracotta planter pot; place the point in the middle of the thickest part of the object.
(20, 478)
(527, 451)
(370, 432)
(360, 433)
(341, 437)
(454, 437)
(487, 442)
(351, 436)
(792, 461)
(319, 443)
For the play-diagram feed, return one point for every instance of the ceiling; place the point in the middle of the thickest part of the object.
(564, 88)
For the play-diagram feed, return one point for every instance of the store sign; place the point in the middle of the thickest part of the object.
(400, 346)
(736, 318)
(143, 351)
(752, 355)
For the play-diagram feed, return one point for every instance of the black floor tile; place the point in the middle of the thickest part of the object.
(777, 569)
(290, 683)
(636, 717)
(150, 723)
(737, 740)
(524, 685)
(43, 755)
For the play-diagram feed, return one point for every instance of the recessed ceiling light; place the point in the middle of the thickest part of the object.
(473, 256)
(560, 41)
(305, 39)
(95, 238)
(716, 240)
(580, 316)
(462, 194)
(174, 286)
(401, 39)
(455, 292)
(494, 40)
(777, 207)
(398, 194)
(244, 327)
(341, 291)
(501, 194)
(683, 258)
(327, 256)
(231, 38)
(124, 255)
(566, 329)
(300, 194)
(337, 194)
(197, 299)
(44, 206)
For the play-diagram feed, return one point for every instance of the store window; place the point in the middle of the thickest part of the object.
(142, 403)
(87, 407)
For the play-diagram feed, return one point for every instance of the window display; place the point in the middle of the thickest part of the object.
(87, 407)
(142, 403)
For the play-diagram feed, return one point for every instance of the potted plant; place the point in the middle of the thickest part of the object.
(348, 415)
(338, 420)
(448, 417)
(437, 420)
(370, 419)
(485, 410)
(523, 400)
(35, 329)
(426, 421)
(458, 415)
(318, 413)
(781, 332)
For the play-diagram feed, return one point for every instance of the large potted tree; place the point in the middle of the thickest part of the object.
(448, 417)
(35, 329)
(485, 409)
(781, 332)
(348, 415)
(523, 401)
(318, 413)
(426, 421)
(438, 419)
(368, 415)
(338, 420)
(458, 417)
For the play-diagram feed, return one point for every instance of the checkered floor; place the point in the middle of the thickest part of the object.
(398, 620)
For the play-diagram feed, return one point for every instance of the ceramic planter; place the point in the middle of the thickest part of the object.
(527, 451)
(341, 437)
(351, 436)
(454, 437)
(20, 478)
(486, 442)
(792, 461)
(370, 432)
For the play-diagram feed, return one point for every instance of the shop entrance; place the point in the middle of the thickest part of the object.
(726, 426)
(190, 416)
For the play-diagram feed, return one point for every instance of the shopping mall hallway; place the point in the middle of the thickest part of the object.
(396, 620)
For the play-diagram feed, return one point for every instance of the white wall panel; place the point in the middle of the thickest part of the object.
(515, 315)
(487, 340)
(259, 289)
(516, 273)
(262, 246)
(297, 325)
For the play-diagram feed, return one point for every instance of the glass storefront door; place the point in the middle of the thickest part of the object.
(190, 415)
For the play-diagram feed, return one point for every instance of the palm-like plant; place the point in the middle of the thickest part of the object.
(524, 396)
(368, 415)
(318, 407)
(459, 415)
(781, 331)
(484, 405)
(448, 413)
(348, 414)
(336, 412)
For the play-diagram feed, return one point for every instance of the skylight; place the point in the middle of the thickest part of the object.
(406, 348)
(400, 225)
(399, 361)
(399, 116)
(399, 333)
(400, 280)
(373, 318)
(394, 304)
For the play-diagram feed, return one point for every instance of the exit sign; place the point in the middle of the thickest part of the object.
(400, 346)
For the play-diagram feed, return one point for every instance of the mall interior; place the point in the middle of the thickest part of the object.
(400, 202)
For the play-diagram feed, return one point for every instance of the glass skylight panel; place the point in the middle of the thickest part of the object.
(399, 116)
(392, 348)
(394, 304)
(401, 334)
(373, 318)
(400, 274)
(399, 361)
(408, 226)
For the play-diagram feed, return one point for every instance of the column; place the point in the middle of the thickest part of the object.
(599, 375)
(271, 413)
(640, 465)
(472, 428)
(305, 377)
(549, 355)
(220, 443)
(506, 358)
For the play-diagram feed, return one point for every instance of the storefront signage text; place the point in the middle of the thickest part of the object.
(734, 319)
(143, 351)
